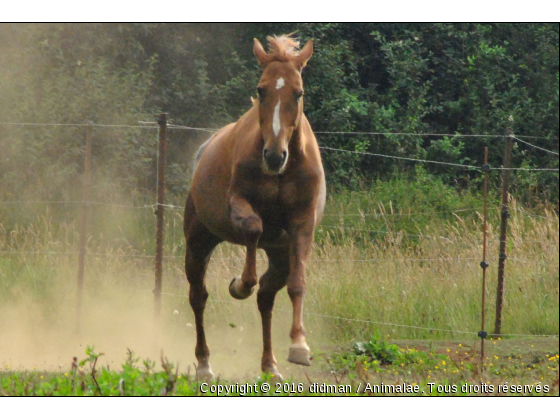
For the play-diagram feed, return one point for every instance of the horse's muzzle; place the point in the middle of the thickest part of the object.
(274, 162)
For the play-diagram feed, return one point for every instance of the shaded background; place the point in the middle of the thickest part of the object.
(413, 78)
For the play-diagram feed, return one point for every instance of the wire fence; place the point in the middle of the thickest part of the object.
(394, 233)
(458, 165)
(363, 215)
(365, 321)
(264, 260)
(153, 126)
(535, 146)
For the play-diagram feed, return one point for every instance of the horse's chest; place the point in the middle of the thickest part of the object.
(266, 191)
(288, 194)
(275, 194)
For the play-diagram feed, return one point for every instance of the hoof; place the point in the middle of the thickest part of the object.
(239, 294)
(299, 354)
(204, 374)
(275, 376)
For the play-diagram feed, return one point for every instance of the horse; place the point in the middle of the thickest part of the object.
(259, 183)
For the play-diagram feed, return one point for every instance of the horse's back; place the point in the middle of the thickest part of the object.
(220, 134)
(201, 149)
(211, 179)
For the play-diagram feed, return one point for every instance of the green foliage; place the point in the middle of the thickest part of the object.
(377, 352)
(83, 380)
(433, 374)
(405, 78)
(63, 81)
(386, 203)
(378, 349)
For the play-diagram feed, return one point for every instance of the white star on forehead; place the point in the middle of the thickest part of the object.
(280, 83)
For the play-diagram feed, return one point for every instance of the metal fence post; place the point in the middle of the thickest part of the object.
(84, 216)
(484, 264)
(503, 230)
(161, 163)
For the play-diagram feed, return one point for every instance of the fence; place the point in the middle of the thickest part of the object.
(163, 128)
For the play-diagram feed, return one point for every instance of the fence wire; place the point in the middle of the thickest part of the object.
(363, 215)
(264, 260)
(534, 146)
(459, 165)
(366, 321)
(211, 130)
(153, 126)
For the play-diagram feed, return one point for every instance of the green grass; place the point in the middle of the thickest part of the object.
(514, 368)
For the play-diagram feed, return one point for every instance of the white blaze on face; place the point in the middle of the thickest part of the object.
(276, 116)
(276, 119)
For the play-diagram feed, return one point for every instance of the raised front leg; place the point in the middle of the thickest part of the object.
(249, 224)
(301, 239)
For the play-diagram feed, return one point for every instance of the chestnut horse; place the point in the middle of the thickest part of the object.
(259, 183)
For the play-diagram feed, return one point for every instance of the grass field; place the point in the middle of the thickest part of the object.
(390, 262)
(515, 367)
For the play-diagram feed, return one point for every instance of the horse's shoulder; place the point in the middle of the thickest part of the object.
(202, 148)
(218, 136)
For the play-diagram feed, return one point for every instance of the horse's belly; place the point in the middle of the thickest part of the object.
(275, 240)
(209, 196)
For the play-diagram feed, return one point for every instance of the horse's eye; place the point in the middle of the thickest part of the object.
(299, 95)
(260, 92)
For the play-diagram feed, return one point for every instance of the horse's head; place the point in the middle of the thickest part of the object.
(280, 93)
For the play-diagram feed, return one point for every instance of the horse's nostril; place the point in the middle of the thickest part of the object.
(284, 154)
(265, 152)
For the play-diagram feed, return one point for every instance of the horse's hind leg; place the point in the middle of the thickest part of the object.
(200, 244)
(270, 283)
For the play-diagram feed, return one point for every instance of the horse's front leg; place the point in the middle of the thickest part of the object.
(246, 221)
(301, 240)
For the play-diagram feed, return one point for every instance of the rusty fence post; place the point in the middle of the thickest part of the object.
(503, 230)
(84, 216)
(484, 264)
(160, 205)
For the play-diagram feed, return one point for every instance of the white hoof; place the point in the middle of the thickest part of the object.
(204, 374)
(299, 354)
(274, 374)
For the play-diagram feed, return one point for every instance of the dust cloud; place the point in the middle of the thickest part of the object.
(41, 334)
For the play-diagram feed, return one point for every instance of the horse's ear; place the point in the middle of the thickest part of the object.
(305, 54)
(260, 53)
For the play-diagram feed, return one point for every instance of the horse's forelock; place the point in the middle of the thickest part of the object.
(283, 47)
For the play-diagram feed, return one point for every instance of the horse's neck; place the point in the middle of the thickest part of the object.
(304, 135)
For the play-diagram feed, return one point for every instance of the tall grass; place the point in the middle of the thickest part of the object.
(402, 259)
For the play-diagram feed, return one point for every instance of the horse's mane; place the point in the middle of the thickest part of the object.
(283, 47)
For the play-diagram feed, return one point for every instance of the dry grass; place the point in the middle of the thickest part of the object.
(358, 281)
